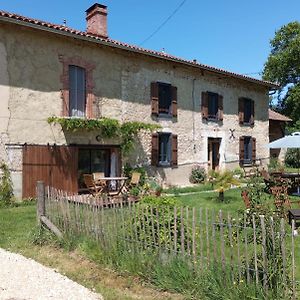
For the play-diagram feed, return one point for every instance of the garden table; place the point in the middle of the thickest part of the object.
(114, 185)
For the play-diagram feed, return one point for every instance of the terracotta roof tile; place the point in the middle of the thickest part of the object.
(273, 115)
(112, 43)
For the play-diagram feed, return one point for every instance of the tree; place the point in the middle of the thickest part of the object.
(283, 67)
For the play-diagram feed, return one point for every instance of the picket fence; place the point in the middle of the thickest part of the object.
(252, 247)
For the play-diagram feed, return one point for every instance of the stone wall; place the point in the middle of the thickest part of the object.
(31, 82)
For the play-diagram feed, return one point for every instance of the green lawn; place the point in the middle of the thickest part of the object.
(233, 200)
(17, 231)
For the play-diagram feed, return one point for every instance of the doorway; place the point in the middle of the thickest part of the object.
(213, 152)
(92, 160)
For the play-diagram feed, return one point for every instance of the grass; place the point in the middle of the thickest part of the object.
(83, 261)
(17, 232)
(233, 200)
(189, 189)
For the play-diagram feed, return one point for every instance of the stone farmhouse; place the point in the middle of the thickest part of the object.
(208, 116)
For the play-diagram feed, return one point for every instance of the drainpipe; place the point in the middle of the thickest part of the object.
(194, 107)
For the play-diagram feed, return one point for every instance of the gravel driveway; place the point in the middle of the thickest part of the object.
(24, 279)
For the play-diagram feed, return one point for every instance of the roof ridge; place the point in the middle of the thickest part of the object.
(113, 42)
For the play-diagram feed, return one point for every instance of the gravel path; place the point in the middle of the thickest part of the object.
(24, 279)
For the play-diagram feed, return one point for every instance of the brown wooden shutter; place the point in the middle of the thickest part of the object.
(154, 150)
(241, 110)
(220, 107)
(252, 113)
(242, 150)
(204, 105)
(154, 98)
(174, 150)
(65, 98)
(174, 100)
(253, 150)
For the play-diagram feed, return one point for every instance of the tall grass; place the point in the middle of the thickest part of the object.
(172, 273)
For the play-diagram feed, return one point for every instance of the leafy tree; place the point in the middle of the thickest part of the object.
(283, 67)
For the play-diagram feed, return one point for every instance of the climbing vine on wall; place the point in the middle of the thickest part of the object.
(6, 186)
(109, 128)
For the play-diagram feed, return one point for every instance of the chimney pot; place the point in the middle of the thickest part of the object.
(96, 17)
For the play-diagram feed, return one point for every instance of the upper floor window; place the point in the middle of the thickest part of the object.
(246, 111)
(212, 106)
(164, 149)
(163, 99)
(77, 91)
(247, 150)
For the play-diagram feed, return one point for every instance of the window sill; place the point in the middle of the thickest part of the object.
(164, 164)
(165, 116)
(213, 120)
(246, 124)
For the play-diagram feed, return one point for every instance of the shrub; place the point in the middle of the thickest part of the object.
(6, 187)
(153, 216)
(198, 175)
(292, 158)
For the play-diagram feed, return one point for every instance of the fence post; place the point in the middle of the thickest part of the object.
(40, 209)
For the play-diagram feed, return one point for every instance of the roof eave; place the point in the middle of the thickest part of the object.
(89, 38)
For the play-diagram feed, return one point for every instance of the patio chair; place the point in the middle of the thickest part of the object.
(246, 198)
(134, 181)
(282, 199)
(93, 188)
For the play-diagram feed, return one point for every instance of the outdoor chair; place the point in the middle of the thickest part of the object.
(248, 173)
(245, 196)
(93, 188)
(281, 198)
(247, 201)
(134, 181)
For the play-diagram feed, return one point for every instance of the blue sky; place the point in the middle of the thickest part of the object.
(232, 34)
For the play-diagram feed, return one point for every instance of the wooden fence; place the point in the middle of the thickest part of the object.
(251, 247)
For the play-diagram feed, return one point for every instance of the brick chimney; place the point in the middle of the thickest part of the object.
(96, 17)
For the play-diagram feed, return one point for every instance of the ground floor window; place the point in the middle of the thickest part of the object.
(93, 161)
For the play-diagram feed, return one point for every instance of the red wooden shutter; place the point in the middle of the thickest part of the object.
(204, 105)
(56, 166)
(154, 151)
(242, 151)
(154, 98)
(252, 113)
(174, 100)
(253, 150)
(220, 107)
(174, 150)
(65, 98)
(241, 110)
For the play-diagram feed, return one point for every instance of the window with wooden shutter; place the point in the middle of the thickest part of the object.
(204, 105)
(174, 101)
(242, 150)
(154, 98)
(241, 110)
(253, 150)
(220, 107)
(154, 149)
(174, 150)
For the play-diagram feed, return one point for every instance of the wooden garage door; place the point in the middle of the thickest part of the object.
(55, 165)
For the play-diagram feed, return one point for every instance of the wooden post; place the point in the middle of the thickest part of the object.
(40, 209)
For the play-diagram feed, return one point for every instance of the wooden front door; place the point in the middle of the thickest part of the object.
(56, 166)
(213, 152)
